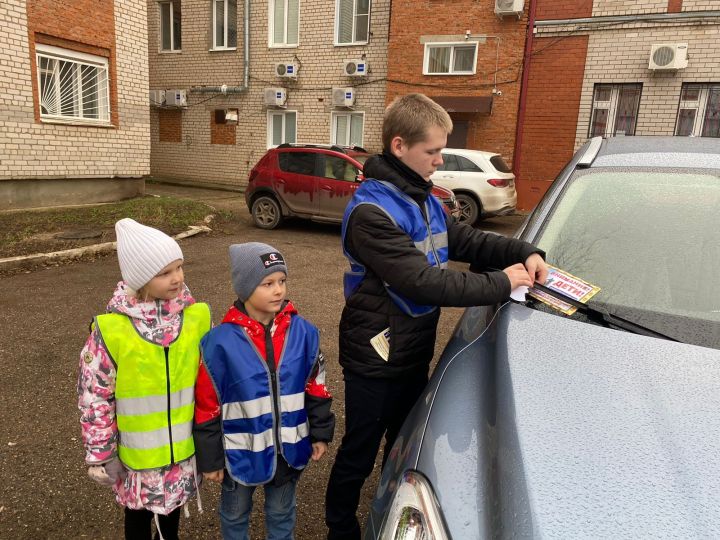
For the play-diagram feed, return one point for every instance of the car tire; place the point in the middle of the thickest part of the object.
(470, 208)
(266, 212)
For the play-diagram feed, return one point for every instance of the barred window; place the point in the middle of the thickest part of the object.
(699, 110)
(72, 85)
(615, 109)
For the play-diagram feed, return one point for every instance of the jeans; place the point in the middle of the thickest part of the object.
(236, 507)
(373, 408)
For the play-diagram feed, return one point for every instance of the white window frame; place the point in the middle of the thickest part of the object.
(271, 25)
(224, 47)
(611, 106)
(700, 107)
(452, 45)
(57, 55)
(283, 113)
(355, 16)
(172, 48)
(333, 125)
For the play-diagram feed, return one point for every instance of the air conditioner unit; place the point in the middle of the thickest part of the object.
(275, 97)
(157, 98)
(176, 98)
(509, 7)
(343, 97)
(668, 56)
(355, 68)
(287, 70)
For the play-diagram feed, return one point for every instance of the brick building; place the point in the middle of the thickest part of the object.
(74, 122)
(467, 58)
(237, 82)
(612, 68)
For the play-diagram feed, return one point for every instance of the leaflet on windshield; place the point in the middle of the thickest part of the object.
(568, 285)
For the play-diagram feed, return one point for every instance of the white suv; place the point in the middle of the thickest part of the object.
(482, 183)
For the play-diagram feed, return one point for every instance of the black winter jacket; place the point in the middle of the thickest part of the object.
(390, 256)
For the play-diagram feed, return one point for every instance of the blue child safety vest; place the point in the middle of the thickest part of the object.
(429, 234)
(257, 421)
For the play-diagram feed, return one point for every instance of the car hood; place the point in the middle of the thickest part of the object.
(547, 427)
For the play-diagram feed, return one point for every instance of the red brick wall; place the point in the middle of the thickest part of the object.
(411, 19)
(170, 125)
(221, 133)
(81, 25)
(563, 9)
(675, 6)
(553, 102)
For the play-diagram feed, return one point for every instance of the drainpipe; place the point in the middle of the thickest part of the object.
(225, 89)
(517, 154)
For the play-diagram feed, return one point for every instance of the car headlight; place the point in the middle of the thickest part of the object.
(414, 513)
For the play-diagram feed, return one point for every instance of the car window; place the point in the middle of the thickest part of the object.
(298, 162)
(645, 238)
(499, 163)
(450, 163)
(466, 165)
(339, 169)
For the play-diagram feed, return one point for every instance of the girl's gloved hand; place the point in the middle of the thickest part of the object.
(108, 473)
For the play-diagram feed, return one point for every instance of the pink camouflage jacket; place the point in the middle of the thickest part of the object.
(160, 490)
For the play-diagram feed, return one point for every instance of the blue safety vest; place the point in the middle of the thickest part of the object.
(428, 234)
(259, 406)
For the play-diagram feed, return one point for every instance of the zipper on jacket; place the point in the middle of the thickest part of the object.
(430, 235)
(272, 366)
(169, 411)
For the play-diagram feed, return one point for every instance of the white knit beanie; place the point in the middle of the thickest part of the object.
(143, 251)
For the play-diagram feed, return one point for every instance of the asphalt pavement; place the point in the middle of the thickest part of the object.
(44, 317)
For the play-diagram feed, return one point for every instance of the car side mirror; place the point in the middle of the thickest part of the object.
(359, 177)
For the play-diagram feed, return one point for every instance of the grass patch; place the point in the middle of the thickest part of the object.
(27, 232)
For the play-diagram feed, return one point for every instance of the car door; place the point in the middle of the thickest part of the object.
(449, 174)
(336, 185)
(296, 180)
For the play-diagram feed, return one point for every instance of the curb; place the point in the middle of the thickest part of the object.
(11, 263)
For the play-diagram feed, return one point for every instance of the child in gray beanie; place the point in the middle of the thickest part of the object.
(262, 408)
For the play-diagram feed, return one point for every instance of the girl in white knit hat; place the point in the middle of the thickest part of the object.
(136, 384)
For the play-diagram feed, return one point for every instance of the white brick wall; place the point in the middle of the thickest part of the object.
(29, 149)
(195, 159)
(623, 7)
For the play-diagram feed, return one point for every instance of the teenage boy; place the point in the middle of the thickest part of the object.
(398, 240)
(262, 410)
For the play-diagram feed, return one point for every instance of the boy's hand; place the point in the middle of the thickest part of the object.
(319, 449)
(519, 276)
(215, 476)
(537, 268)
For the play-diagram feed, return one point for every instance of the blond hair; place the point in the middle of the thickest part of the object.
(410, 116)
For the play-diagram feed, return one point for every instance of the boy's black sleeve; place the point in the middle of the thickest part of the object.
(209, 452)
(317, 404)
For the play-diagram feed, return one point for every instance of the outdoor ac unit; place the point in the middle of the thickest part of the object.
(509, 7)
(355, 68)
(287, 70)
(157, 98)
(343, 97)
(275, 97)
(669, 56)
(176, 98)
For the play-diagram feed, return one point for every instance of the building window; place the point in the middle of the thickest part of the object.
(699, 111)
(223, 125)
(72, 86)
(450, 59)
(615, 109)
(282, 127)
(224, 14)
(352, 22)
(347, 129)
(170, 26)
(284, 22)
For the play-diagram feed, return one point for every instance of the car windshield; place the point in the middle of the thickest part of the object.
(650, 240)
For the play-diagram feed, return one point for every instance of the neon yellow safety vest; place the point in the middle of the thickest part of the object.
(155, 388)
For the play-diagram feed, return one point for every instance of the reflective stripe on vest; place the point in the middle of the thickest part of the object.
(154, 388)
(429, 236)
(250, 414)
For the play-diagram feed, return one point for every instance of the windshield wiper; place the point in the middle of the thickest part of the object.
(604, 317)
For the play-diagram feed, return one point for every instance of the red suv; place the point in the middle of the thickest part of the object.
(310, 181)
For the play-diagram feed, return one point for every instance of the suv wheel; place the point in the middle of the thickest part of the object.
(266, 212)
(469, 208)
